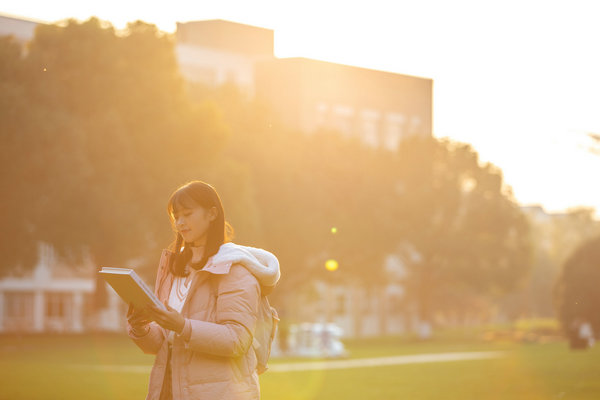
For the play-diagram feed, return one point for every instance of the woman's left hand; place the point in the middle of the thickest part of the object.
(170, 319)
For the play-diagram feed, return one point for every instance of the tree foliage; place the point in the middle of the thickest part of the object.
(99, 132)
(464, 230)
(554, 237)
(576, 291)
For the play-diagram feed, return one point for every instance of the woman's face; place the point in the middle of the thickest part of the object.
(193, 223)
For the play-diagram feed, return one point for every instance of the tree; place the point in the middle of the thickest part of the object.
(554, 236)
(17, 227)
(466, 232)
(100, 132)
(576, 291)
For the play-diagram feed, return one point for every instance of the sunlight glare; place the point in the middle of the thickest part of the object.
(331, 265)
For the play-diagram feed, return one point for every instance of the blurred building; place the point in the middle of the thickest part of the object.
(19, 28)
(57, 298)
(380, 108)
(216, 52)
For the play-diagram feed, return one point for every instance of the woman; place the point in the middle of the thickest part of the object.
(212, 289)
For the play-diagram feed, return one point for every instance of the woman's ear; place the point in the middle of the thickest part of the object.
(212, 213)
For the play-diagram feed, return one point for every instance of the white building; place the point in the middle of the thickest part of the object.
(55, 298)
(19, 28)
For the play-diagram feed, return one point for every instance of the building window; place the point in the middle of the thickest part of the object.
(370, 127)
(18, 305)
(322, 115)
(58, 312)
(343, 119)
(393, 130)
(415, 125)
(56, 304)
(18, 311)
(204, 75)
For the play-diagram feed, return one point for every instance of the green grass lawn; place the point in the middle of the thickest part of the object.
(63, 367)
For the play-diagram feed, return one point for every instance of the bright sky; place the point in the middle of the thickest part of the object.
(519, 80)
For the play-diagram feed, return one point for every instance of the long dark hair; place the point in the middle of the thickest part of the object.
(190, 195)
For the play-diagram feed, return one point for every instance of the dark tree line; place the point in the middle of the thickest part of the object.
(576, 291)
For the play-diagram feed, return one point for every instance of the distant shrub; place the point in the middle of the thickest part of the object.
(540, 326)
(526, 330)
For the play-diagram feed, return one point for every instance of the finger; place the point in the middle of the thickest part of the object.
(153, 316)
(158, 311)
(163, 318)
(130, 310)
(163, 323)
(138, 320)
(136, 313)
(159, 317)
(152, 307)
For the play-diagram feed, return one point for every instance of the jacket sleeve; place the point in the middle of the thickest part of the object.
(236, 314)
(150, 342)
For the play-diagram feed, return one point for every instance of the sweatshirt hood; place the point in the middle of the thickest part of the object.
(261, 263)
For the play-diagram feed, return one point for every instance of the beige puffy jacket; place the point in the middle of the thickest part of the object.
(218, 361)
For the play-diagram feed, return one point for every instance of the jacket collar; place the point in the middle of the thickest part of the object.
(217, 268)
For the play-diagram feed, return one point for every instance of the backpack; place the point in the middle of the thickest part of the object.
(264, 332)
(266, 329)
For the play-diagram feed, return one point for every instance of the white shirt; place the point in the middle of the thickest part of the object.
(179, 292)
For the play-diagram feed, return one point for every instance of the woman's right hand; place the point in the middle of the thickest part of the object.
(138, 320)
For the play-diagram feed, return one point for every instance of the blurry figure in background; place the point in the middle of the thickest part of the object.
(326, 340)
(425, 331)
(581, 335)
(208, 342)
(586, 333)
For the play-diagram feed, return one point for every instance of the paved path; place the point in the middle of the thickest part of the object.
(383, 361)
(335, 364)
